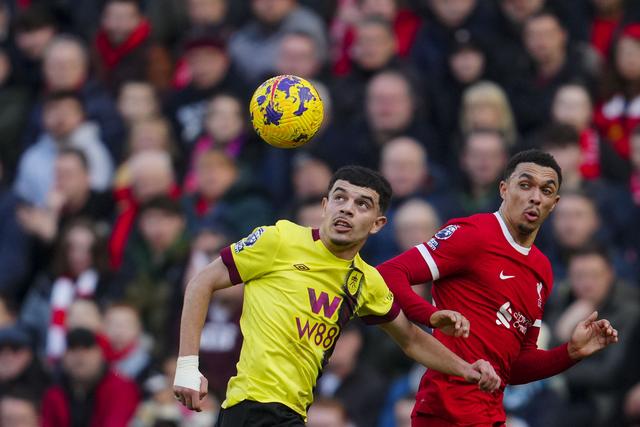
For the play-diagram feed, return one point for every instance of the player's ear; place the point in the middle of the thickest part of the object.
(555, 203)
(503, 189)
(378, 224)
(324, 205)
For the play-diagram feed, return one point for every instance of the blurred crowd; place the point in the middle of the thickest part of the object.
(127, 162)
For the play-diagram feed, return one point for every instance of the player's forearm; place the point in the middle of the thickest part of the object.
(196, 304)
(399, 279)
(533, 364)
(431, 353)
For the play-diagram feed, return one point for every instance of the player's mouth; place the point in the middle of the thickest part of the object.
(531, 215)
(342, 225)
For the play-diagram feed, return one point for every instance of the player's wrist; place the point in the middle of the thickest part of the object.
(432, 319)
(575, 352)
(187, 373)
(469, 373)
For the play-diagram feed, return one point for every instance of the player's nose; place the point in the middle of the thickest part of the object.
(536, 196)
(347, 207)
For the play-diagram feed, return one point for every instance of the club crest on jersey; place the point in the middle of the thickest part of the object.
(446, 232)
(250, 240)
(353, 282)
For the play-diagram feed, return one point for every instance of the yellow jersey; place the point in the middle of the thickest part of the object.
(297, 297)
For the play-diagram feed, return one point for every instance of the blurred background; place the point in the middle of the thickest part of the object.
(127, 162)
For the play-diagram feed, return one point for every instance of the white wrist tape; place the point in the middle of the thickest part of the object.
(187, 373)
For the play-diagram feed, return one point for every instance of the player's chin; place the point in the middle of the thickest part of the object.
(528, 227)
(342, 238)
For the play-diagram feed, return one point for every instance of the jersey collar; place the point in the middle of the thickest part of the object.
(507, 235)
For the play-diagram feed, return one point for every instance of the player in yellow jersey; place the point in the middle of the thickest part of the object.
(301, 287)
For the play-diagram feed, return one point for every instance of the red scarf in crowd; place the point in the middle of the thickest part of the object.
(111, 55)
(63, 292)
(590, 148)
(128, 207)
(602, 31)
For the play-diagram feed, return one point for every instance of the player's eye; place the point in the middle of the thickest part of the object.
(524, 185)
(364, 205)
(547, 191)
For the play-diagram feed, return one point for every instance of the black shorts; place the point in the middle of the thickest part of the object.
(256, 414)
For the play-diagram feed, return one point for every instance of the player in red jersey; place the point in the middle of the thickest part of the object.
(486, 267)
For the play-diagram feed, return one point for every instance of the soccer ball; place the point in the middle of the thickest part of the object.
(286, 111)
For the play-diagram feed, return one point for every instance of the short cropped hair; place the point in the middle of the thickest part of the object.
(536, 156)
(590, 249)
(32, 19)
(77, 153)
(558, 135)
(64, 95)
(164, 204)
(365, 177)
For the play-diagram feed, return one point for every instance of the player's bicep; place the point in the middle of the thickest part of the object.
(376, 301)
(217, 275)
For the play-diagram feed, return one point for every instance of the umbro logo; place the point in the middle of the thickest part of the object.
(301, 267)
(504, 277)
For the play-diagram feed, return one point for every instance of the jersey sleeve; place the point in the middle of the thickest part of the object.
(377, 302)
(253, 256)
(446, 253)
(533, 364)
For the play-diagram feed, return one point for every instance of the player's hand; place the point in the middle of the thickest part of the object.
(189, 385)
(451, 323)
(489, 380)
(590, 336)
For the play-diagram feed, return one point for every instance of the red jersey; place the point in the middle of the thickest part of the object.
(479, 270)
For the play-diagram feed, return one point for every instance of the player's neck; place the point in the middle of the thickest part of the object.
(523, 239)
(340, 251)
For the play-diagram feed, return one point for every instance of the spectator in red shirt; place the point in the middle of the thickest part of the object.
(125, 50)
(608, 15)
(89, 393)
(404, 22)
(152, 175)
(619, 113)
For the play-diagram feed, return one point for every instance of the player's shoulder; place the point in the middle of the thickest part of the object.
(365, 267)
(294, 235)
(293, 232)
(474, 224)
(286, 226)
(472, 220)
(370, 272)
